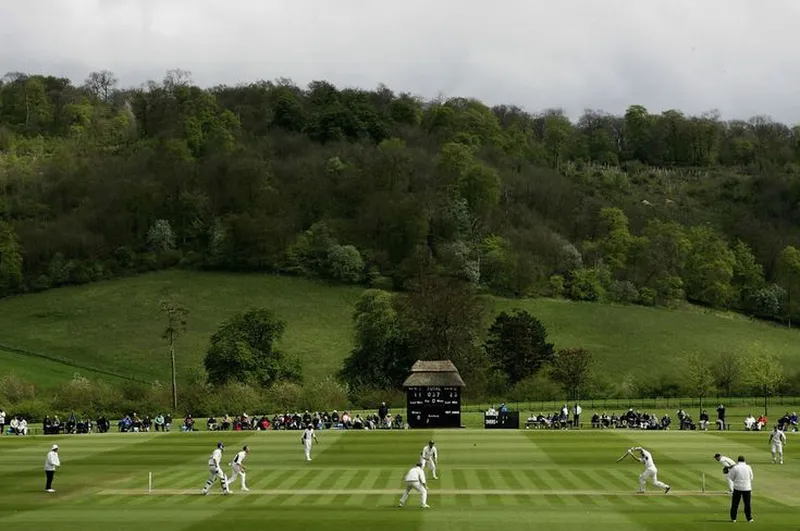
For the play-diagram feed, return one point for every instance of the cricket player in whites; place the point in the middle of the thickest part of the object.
(726, 463)
(215, 471)
(308, 437)
(415, 479)
(777, 439)
(238, 468)
(650, 470)
(430, 458)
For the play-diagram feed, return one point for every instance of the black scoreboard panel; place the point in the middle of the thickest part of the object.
(501, 421)
(433, 407)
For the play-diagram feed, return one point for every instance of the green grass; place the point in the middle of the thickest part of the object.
(487, 480)
(116, 326)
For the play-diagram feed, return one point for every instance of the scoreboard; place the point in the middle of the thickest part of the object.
(433, 407)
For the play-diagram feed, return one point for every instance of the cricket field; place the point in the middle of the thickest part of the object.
(487, 480)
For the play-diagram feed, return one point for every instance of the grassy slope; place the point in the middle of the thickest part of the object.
(116, 325)
(547, 480)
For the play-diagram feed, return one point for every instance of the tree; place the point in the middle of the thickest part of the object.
(572, 368)
(763, 371)
(709, 268)
(243, 349)
(176, 325)
(727, 371)
(10, 259)
(517, 345)
(789, 279)
(699, 376)
(101, 84)
(160, 237)
(382, 356)
(442, 318)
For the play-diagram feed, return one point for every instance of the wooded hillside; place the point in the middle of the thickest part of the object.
(360, 186)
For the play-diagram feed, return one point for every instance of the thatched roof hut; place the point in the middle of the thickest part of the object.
(434, 374)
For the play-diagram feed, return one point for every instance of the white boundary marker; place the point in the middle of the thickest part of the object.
(149, 483)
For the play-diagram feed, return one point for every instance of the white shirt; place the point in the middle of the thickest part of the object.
(239, 459)
(215, 458)
(52, 461)
(647, 459)
(578, 409)
(308, 436)
(742, 476)
(777, 437)
(428, 452)
(726, 461)
(2, 417)
(416, 474)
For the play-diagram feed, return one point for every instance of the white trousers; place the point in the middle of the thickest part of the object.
(652, 475)
(215, 473)
(237, 471)
(307, 448)
(777, 451)
(430, 464)
(417, 486)
(730, 482)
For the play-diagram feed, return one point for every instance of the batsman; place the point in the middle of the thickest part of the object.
(650, 470)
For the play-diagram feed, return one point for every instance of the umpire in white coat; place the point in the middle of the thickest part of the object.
(742, 477)
(51, 462)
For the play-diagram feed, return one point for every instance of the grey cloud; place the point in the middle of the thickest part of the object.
(737, 56)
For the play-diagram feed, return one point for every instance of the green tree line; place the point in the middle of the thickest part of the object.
(371, 186)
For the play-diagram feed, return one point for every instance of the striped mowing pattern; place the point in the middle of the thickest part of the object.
(487, 479)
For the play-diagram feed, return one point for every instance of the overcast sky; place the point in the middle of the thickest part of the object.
(739, 56)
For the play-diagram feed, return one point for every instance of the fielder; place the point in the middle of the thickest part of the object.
(215, 471)
(308, 437)
(727, 463)
(238, 468)
(430, 458)
(650, 471)
(777, 439)
(415, 479)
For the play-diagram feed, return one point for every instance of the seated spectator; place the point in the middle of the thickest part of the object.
(211, 424)
(146, 423)
(783, 422)
(227, 422)
(358, 423)
(761, 422)
(346, 423)
(596, 421)
(503, 409)
(750, 422)
(159, 422)
(665, 422)
(167, 422)
(22, 426)
(793, 421)
(103, 425)
(136, 423)
(398, 421)
(188, 424)
(704, 420)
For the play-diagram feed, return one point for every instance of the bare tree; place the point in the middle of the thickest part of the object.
(699, 377)
(572, 367)
(727, 369)
(176, 325)
(101, 84)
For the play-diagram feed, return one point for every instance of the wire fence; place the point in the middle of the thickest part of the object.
(641, 404)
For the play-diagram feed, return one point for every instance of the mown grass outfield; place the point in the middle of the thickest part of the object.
(488, 480)
(115, 326)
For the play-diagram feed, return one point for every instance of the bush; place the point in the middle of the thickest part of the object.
(371, 398)
(539, 387)
(345, 264)
(15, 390)
(324, 395)
(557, 288)
(284, 396)
(647, 297)
(623, 291)
(586, 285)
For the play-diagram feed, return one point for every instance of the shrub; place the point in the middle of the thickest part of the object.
(324, 395)
(345, 264)
(623, 291)
(586, 285)
(15, 389)
(647, 297)
(538, 387)
(284, 396)
(557, 288)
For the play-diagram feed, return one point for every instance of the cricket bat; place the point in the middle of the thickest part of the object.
(626, 454)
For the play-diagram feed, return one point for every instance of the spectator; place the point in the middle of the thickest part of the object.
(750, 423)
(576, 415)
(168, 421)
(188, 424)
(159, 422)
(704, 420)
(103, 425)
(2, 421)
(761, 422)
(382, 412)
(227, 422)
(211, 425)
(793, 421)
(721, 418)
